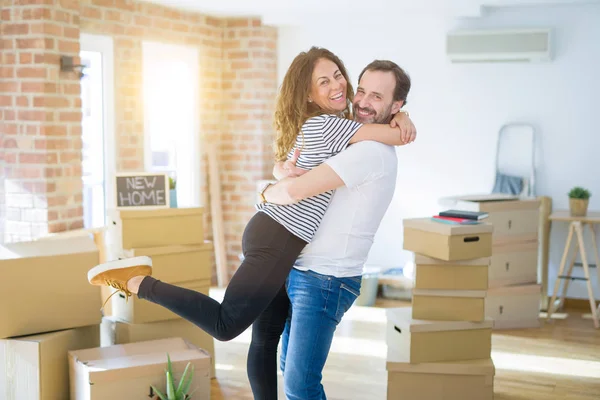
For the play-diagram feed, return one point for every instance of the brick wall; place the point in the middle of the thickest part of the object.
(249, 90)
(41, 114)
(237, 90)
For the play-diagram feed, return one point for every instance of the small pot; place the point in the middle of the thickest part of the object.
(173, 198)
(578, 207)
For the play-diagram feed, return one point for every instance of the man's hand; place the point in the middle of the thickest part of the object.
(408, 132)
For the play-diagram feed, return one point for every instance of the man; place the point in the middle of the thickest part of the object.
(326, 279)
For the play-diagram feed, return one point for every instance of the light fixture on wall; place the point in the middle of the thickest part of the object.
(66, 65)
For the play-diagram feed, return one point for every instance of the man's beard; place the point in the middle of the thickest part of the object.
(375, 118)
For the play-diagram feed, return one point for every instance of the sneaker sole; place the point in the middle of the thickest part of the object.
(119, 264)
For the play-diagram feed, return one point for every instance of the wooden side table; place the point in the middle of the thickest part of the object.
(576, 226)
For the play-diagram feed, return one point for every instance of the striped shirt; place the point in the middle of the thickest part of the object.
(324, 136)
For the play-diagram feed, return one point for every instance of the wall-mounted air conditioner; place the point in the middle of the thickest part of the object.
(515, 45)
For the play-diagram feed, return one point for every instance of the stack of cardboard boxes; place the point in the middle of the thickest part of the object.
(440, 348)
(47, 308)
(514, 295)
(174, 239)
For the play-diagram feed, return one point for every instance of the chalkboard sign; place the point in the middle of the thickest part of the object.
(142, 190)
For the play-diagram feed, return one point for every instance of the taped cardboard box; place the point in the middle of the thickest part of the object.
(511, 217)
(36, 367)
(435, 341)
(449, 305)
(130, 229)
(116, 332)
(130, 370)
(514, 306)
(44, 286)
(438, 274)
(447, 242)
(138, 311)
(514, 264)
(457, 380)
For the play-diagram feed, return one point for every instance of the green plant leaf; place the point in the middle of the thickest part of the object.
(180, 388)
(579, 193)
(159, 393)
(188, 381)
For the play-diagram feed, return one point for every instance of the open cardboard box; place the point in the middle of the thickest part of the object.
(128, 371)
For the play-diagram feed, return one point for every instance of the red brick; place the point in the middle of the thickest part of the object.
(23, 172)
(142, 20)
(69, 156)
(32, 158)
(32, 72)
(5, 15)
(22, 101)
(9, 86)
(70, 116)
(127, 5)
(14, 29)
(30, 115)
(71, 88)
(103, 3)
(7, 72)
(63, 16)
(68, 46)
(46, 28)
(70, 4)
(54, 130)
(31, 43)
(51, 101)
(91, 12)
(9, 115)
(71, 33)
(36, 13)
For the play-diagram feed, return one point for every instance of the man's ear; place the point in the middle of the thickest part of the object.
(396, 106)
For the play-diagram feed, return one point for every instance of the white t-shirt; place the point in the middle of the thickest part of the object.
(323, 136)
(341, 244)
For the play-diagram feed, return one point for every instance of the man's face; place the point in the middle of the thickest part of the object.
(373, 102)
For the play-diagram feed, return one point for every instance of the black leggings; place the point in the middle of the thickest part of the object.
(269, 250)
(262, 354)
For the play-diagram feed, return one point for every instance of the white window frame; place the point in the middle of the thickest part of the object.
(104, 44)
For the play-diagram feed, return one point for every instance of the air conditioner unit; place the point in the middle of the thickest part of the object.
(522, 45)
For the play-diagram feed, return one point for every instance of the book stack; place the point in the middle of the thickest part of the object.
(440, 348)
(174, 239)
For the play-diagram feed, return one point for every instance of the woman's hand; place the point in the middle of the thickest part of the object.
(408, 131)
(285, 169)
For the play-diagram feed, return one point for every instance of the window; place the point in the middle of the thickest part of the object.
(171, 120)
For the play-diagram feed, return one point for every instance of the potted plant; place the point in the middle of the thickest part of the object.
(181, 393)
(578, 201)
(173, 192)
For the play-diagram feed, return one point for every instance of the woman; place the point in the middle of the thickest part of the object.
(312, 115)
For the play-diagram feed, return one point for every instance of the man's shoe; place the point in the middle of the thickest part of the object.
(117, 273)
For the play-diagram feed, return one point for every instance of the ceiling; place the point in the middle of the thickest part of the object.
(284, 12)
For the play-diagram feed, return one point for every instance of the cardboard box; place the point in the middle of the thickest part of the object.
(447, 242)
(131, 229)
(435, 341)
(432, 273)
(44, 286)
(514, 264)
(116, 332)
(514, 306)
(458, 380)
(178, 263)
(449, 305)
(128, 371)
(37, 367)
(138, 311)
(509, 216)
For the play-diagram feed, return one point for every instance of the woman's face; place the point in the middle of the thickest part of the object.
(328, 87)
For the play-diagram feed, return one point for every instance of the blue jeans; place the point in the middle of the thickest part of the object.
(317, 305)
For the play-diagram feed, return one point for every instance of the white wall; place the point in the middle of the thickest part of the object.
(458, 109)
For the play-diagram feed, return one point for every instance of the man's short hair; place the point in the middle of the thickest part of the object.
(402, 79)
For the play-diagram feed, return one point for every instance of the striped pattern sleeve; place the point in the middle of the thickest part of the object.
(337, 132)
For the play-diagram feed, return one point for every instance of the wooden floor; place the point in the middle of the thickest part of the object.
(561, 360)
